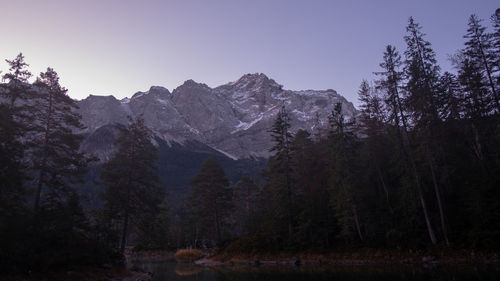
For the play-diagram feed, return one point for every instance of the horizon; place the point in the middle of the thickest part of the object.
(122, 47)
(203, 83)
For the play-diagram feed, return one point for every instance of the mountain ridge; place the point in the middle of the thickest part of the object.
(233, 118)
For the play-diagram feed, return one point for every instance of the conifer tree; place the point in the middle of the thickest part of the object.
(476, 101)
(495, 18)
(245, 194)
(18, 86)
(390, 84)
(153, 229)
(211, 199)
(479, 50)
(13, 125)
(343, 185)
(280, 167)
(425, 103)
(372, 124)
(58, 164)
(133, 190)
(422, 74)
(453, 101)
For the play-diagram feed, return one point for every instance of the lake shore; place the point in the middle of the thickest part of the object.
(366, 257)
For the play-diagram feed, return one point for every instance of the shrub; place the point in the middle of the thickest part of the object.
(188, 255)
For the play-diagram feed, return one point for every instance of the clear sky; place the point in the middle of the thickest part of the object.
(120, 47)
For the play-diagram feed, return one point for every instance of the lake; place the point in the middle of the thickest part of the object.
(171, 271)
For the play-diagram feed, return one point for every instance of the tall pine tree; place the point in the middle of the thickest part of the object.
(133, 190)
(211, 199)
(281, 169)
(58, 164)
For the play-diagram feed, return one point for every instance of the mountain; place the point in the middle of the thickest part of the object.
(233, 119)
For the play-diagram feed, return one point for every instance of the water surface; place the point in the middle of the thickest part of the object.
(171, 271)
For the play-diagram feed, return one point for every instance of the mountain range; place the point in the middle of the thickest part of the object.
(233, 119)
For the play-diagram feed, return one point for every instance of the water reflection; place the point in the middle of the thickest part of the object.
(169, 271)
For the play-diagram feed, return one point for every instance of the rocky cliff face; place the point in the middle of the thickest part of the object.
(233, 119)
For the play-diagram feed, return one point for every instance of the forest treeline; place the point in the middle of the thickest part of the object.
(43, 226)
(418, 167)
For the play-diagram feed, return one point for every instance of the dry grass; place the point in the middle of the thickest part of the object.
(188, 255)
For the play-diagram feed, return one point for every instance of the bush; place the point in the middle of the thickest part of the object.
(188, 255)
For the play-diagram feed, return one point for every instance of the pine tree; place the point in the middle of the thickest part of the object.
(372, 123)
(245, 194)
(471, 78)
(211, 199)
(452, 98)
(479, 50)
(425, 103)
(13, 125)
(422, 75)
(343, 185)
(18, 86)
(133, 190)
(54, 144)
(315, 224)
(390, 84)
(495, 18)
(280, 167)
(11, 176)
(153, 229)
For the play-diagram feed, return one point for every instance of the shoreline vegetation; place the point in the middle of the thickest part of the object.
(360, 257)
(375, 259)
(363, 257)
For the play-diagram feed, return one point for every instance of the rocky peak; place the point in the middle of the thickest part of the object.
(252, 82)
(100, 98)
(159, 91)
(154, 93)
(191, 84)
(97, 111)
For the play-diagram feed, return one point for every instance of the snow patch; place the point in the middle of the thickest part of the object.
(246, 125)
(191, 129)
(225, 153)
(302, 116)
(162, 101)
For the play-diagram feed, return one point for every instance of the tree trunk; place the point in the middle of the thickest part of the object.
(38, 195)
(43, 166)
(488, 74)
(356, 221)
(124, 232)
(289, 196)
(406, 141)
(217, 225)
(381, 178)
(440, 205)
(432, 236)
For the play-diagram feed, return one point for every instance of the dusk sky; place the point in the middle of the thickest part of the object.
(120, 47)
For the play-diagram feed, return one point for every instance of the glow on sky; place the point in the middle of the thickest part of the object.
(120, 47)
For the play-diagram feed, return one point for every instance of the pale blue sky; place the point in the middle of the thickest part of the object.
(120, 47)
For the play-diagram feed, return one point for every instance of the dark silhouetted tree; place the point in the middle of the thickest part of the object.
(133, 190)
(211, 200)
(58, 164)
(280, 168)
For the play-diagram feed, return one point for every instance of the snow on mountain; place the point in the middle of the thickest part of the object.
(233, 119)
